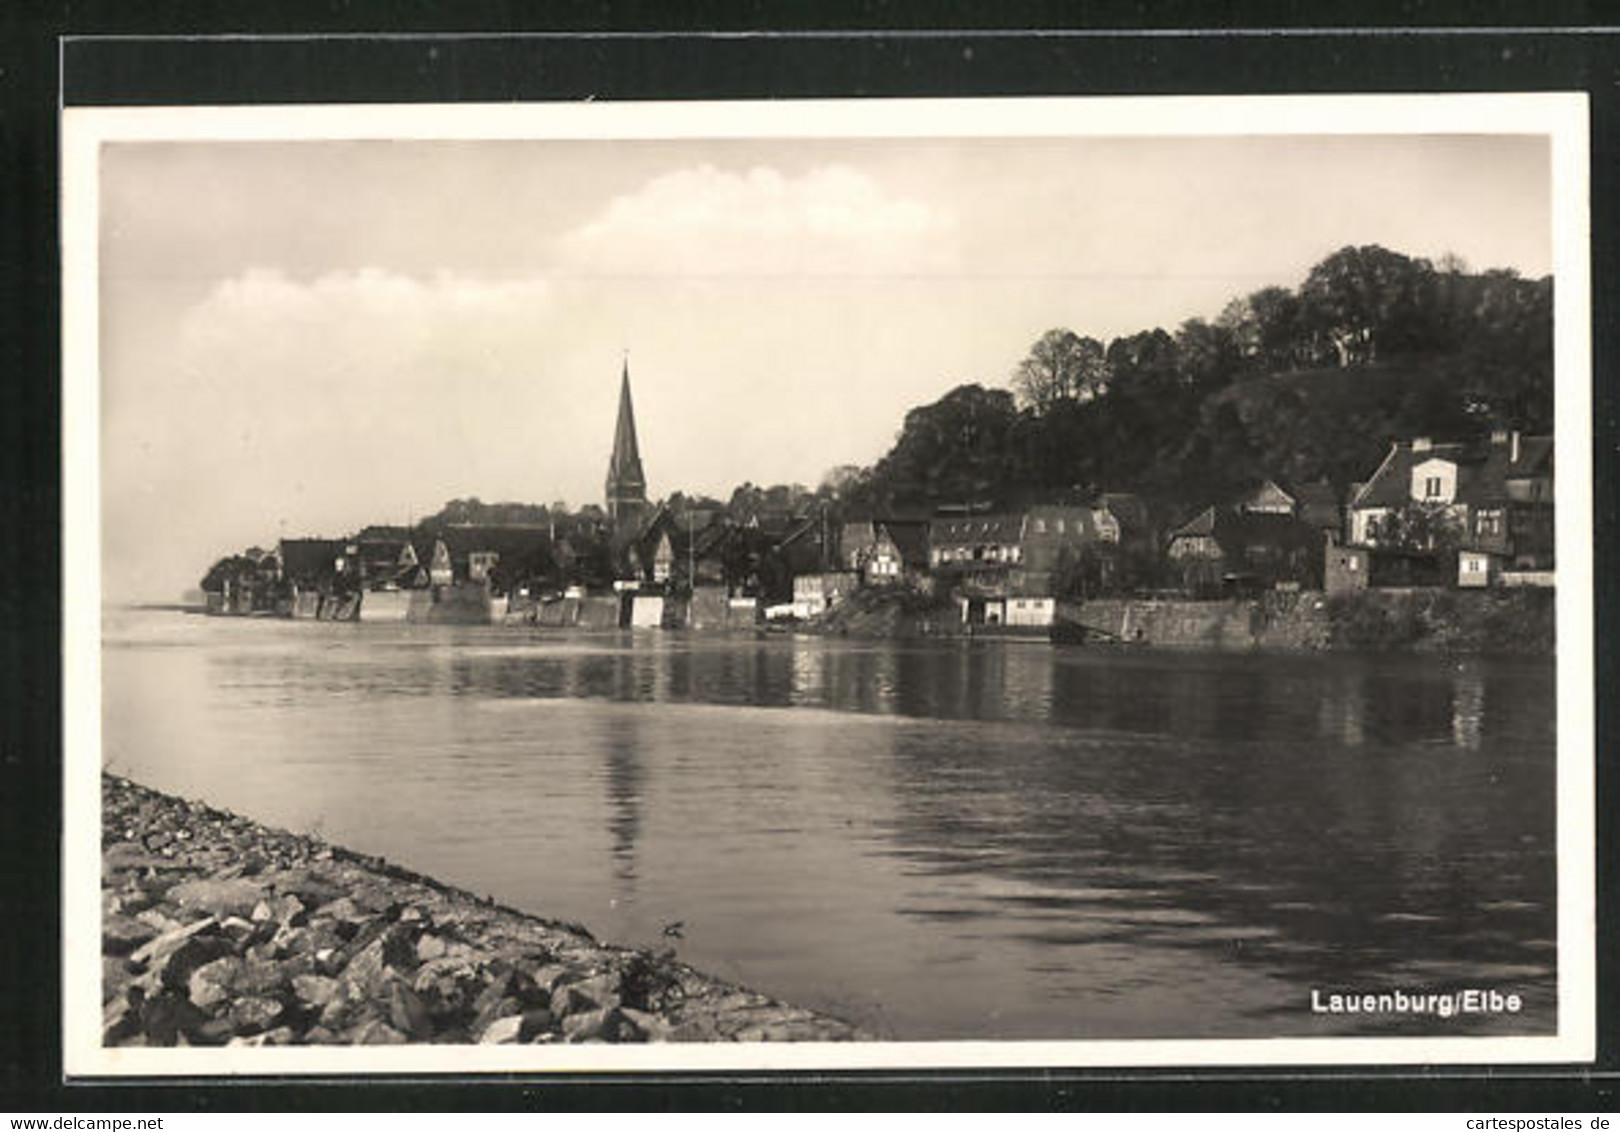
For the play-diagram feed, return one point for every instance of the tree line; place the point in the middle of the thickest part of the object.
(1304, 384)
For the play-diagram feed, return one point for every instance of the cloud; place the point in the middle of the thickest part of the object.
(704, 221)
(366, 323)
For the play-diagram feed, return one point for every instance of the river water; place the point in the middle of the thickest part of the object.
(936, 840)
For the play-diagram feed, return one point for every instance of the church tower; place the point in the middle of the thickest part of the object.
(626, 483)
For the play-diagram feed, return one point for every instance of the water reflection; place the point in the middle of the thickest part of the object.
(945, 838)
(1468, 708)
(621, 748)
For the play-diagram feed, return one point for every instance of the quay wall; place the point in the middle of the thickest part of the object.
(1283, 620)
(599, 613)
(218, 931)
(385, 605)
(450, 605)
(1421, 619)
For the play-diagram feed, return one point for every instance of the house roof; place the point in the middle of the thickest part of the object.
(1319, 503)
(1126, 507)
(309, 557)
(513, 543)
(1482, 470)
(1265, 494)
(857, 534)
(910, 537)
(1391, 484)
(1233, 529)
(1488, 483)
(1003, 527)
(1201, 524)
(1045, 515)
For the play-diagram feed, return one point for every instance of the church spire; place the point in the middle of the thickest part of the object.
(626, 483)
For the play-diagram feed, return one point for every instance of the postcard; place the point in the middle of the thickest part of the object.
(825, 584)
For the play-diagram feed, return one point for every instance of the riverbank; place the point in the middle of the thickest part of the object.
(219, 931)
(1509, 621)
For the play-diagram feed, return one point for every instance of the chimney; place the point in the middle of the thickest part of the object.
(1421, 444)
(1513, 447)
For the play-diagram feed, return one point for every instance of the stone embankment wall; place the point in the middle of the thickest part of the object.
(1429, 619)
(1277, 620)
(218, 931)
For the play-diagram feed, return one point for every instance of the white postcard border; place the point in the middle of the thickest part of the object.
(1562, 116)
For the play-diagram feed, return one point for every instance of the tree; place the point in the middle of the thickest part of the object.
(1145, 362)
(1266, 329)
(960, 447)
(1206, 353)
(1420, 526)
(1362, 302)
(1061, 366)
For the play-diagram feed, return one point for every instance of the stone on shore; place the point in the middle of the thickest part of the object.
(220, 932)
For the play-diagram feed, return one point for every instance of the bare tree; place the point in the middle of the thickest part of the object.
(1061, 366)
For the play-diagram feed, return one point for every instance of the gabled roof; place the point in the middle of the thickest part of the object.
(1268, 492)
(910, 538)
(1483, 470)
(1126, 507)
(1391, 484)
(857, 534)
(1200, 525)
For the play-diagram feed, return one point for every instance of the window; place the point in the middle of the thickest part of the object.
(1060, 526)
(1432, 486)
(1040, 526)
(1490, 522)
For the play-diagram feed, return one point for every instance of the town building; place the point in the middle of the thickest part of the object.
(507, 559)
(678, 550)
(815, 594)
(1492, 503)
(1259, 541)
(387, 559)
(886, 552)
(1027, 557)
(1374, 567)
(313, 564)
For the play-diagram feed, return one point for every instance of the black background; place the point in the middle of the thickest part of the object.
(357, 51)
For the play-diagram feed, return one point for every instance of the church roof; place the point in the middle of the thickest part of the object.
(625, 477)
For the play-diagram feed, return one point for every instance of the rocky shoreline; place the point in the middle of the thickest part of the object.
(219, 931)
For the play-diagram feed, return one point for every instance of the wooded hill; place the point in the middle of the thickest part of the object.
(1296, 385)
(1302, 385)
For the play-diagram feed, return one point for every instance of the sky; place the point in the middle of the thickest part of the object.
(299, 338)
